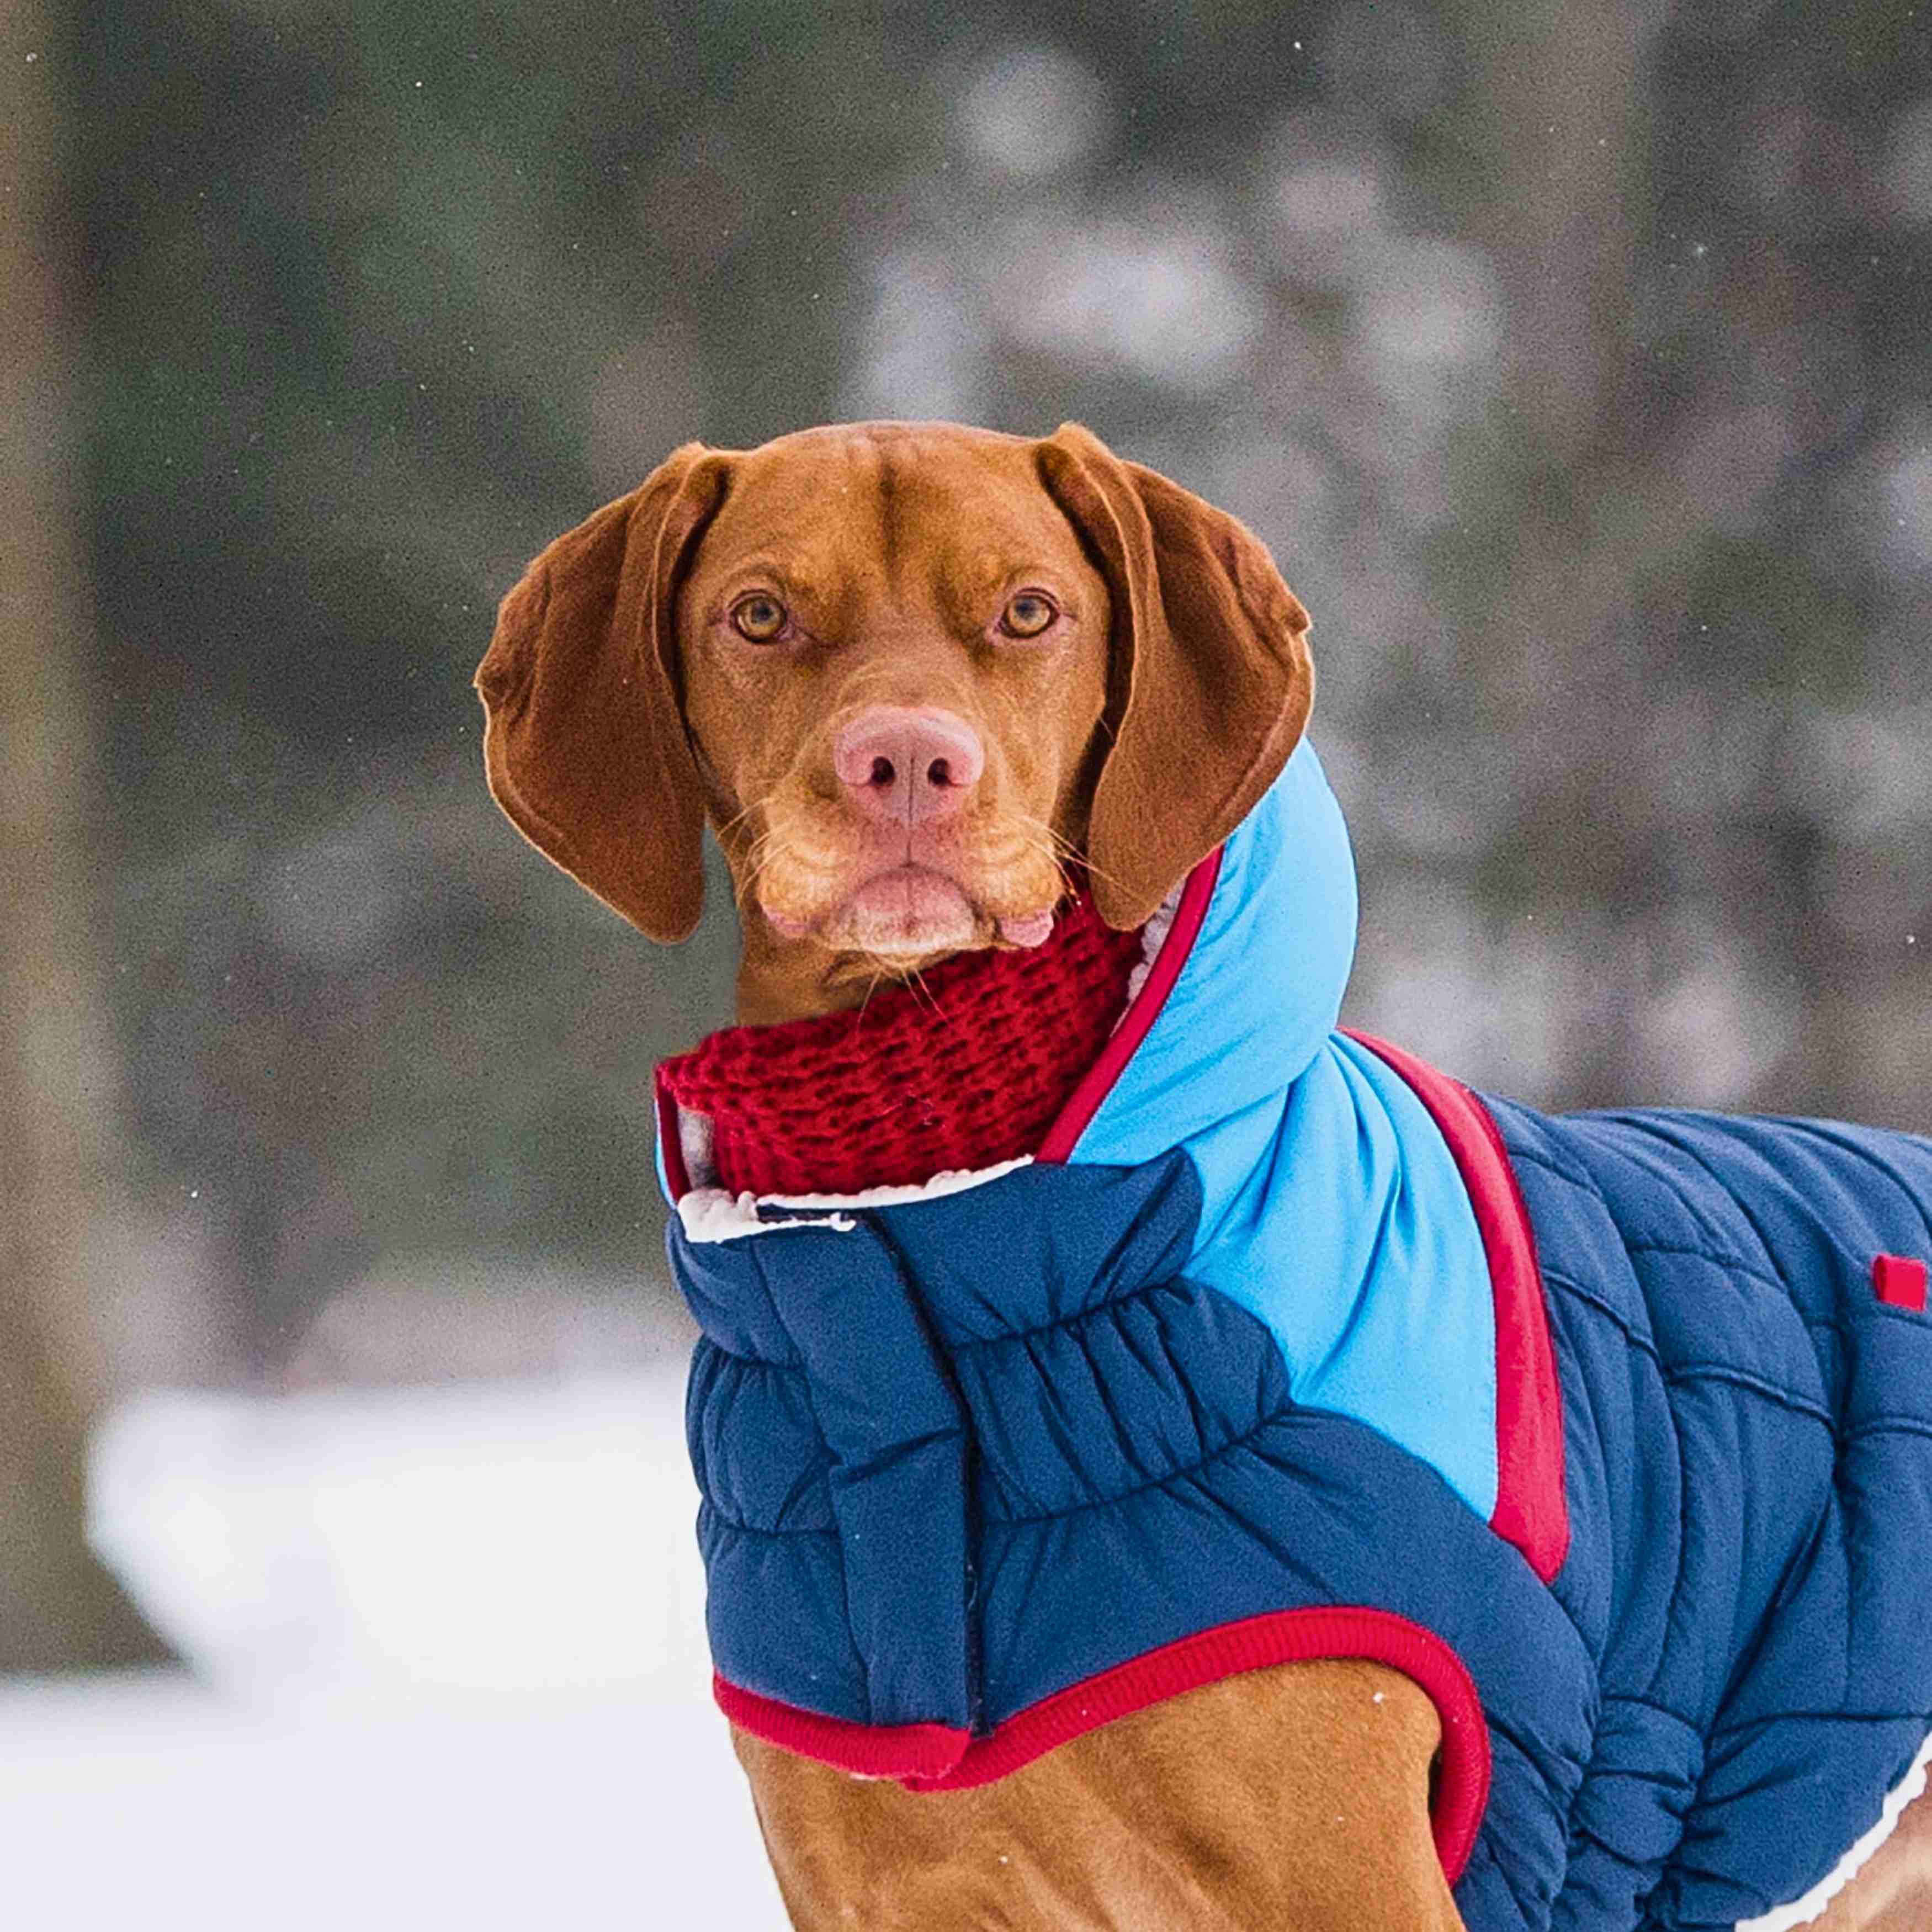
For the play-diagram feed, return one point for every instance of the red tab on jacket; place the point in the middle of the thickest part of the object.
(1900, 1282)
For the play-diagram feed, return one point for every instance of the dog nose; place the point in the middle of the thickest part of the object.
(907, 765)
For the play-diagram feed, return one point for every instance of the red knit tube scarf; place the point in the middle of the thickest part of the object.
(968, 1068)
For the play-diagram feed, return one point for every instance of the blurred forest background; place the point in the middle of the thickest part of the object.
(1574, 362)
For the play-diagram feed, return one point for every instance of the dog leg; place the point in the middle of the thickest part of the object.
(1894, 1892)
(1294, 1796)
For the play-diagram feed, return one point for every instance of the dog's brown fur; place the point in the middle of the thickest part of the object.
(1295, 1798)
(623, 704)
(626, 706)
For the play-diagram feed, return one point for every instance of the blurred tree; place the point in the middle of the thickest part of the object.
(1574, 360)
(1556, 128)
(59, 1200)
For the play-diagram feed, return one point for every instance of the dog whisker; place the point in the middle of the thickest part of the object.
(1067, 849)
(1058, 839)
(765, 851)
(738, 818)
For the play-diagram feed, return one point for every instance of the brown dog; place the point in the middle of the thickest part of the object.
(903, 669)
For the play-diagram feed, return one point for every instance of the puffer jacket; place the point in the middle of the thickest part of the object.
(1613, 1431)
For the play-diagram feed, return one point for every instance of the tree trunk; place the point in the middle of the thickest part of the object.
(1562, 656)
(60, 1205)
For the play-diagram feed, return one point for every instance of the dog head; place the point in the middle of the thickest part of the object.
(906, 670)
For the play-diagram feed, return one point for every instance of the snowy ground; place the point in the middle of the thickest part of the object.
(448, 1670)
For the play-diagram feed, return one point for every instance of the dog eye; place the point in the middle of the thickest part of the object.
(759, 617)
(1027, 614)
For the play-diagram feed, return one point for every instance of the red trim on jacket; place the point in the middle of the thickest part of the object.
(913, 1753)
(934, 1757)
(1532, 1509)
(1098, 1080)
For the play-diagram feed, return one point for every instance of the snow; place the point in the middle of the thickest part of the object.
(446, 1667)
(151, 1802)
(364, 1543)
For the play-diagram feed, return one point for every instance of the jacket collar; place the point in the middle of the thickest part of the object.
(1238, 984)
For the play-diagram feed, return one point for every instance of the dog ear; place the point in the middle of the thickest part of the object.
(1211, 682)
(583, 739)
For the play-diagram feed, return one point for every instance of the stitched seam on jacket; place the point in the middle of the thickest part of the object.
(1647, 1870)
(1677, 1375)
(1155, 1482)
(1729, 1733)
(1666, 1649)
(1815, 1131)
(1582, 1183)
(1079, 1316)
(1655, 1133)
(1530, 1910)
(1886, 1425)
(774, 1535)
(1544, 1751)
(1578, 1291)
(792, 1368)
(1656, 1709)
(1730, 1264)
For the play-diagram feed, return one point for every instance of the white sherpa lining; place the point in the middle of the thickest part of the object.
(695, 1136)
(715, 1214)
(1153, 937)
(1803, 1911)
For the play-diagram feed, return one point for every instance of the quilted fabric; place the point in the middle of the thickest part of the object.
(987, 1463)
(1751, 1489)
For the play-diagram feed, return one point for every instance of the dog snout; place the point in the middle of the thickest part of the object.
(907, 765)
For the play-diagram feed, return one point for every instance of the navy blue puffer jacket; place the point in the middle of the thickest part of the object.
(1614, 1431)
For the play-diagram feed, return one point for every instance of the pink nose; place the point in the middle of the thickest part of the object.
(907, 765)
